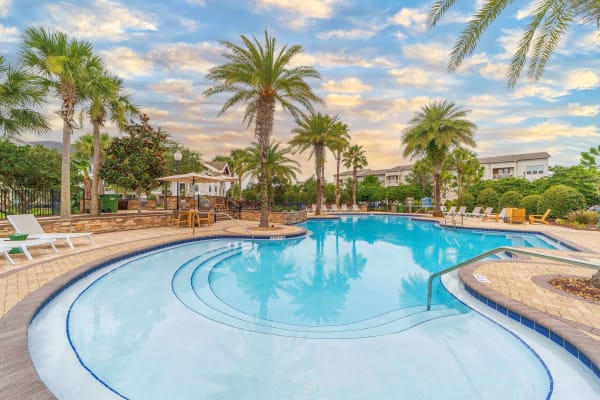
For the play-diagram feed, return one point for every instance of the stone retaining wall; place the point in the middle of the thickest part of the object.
(276, 217)
(103, 223)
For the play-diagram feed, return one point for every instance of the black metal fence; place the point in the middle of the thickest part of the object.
(29, 201)
(255, 205)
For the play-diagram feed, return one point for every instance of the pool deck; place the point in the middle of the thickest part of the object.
(515, 281)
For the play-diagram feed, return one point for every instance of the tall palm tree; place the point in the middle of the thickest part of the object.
(354, 157)
(434, 132)
(238, 159)
(338, 149)
(550, 22)
(317, 132)
(259, 76)
(63, 65)
(279, 165)
(20, 95)
(107, 100)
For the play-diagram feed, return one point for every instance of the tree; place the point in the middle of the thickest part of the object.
(550, 21)
(137, 160)
(466, 168)
(106, 101)
(191, 161)
(259, 76)
(317, 132)
(591, 159)
(63, 66)
(279, 166)
(421, 176)
(338, 149)
(433, 133)
(28, 167)
(354, 157)
(84, 150)
(20, 95)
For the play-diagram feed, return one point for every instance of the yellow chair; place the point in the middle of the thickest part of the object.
(202, 217)
(182, 218)
(540, 218)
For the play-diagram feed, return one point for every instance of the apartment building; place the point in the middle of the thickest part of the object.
(529, 166)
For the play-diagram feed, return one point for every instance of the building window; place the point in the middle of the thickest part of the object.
(535, 169)
(499, 173)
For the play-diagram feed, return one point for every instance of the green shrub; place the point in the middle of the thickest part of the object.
(488, 198)
(512, 199)
(583, 217)
(467, 199)
(530, 203)
(561, 199)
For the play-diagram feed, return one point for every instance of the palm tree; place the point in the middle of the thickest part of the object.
(20, 94)
(550, 21)
(259, 76)
(433, 133)
(466, 167)
(107, 101)
(279, 165)
(354, 157)
(317, 132)
(337, 150)
(62, 65)
(237, 161)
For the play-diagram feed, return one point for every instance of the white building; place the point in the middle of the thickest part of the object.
(218, 169)
(530, 166)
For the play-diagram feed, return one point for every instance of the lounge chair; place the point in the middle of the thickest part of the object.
(476, 213)
(540, 218)
(313, 208)
(4, 250)
(496, 217)
(333, 209)
(451, 211)
(488, 211)
(355, 208)
(27, 223)
(24, 246)
(461, 212)
(344, 208)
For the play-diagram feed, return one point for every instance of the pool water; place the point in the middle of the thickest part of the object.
(339, 314)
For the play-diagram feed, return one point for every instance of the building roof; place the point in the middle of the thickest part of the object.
(217, 166)
(513, 157)
(400, 168)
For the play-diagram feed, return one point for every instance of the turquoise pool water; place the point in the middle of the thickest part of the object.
(339, 314)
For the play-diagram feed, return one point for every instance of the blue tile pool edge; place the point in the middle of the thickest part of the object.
(537, 327)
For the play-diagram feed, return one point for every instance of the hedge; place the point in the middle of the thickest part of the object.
(488, 198)
(512, 199)
(530, 203)
(561, 199)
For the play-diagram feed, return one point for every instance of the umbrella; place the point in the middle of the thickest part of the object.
(192, 177)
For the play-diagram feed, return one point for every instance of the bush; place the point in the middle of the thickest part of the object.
(530, 203)
(488, 198)
(583, 217)
(561, 199)
(512, 199)
(467, 199)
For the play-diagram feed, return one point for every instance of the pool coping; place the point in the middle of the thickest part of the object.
(18, 378)
(571, 339)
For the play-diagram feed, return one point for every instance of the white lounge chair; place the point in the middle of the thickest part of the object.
(496, 217)
(476, 213)
(344, 208)
(451, 211)
(24, 246)
(333, 209)
(4, 250)
(355, 208)
(313, 208)
(27, 223)
(488, 211)
(461, 212)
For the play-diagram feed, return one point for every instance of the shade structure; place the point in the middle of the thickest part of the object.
(192, 177)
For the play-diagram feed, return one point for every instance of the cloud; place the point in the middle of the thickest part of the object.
(348, 85)
(5, 7)
(298, 13)
(188, 24)
(423, 78)
(413, 19)
(102, 20)
(8, 34)
(198, 57)
(544, 92)
(177, 87)
(550, 131)
(581, 79)
(509, 41)
(527, 11)
(583, 110)
(342, 58)
(496, 72)
(343, 100)
(352, 34)
(201, 3)
(155, 113)
(125, 62)
(429, 53)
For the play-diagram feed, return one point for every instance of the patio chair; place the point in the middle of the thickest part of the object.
(488, 211)
(27, 223)
(4, 250)
(24, 246)
(461, 212)
(181, 217)
(540, 218)
(355, 208)
(496, 217)
(451, 211)
(476, 213)
(200, 217)
(344, 208)
(313, 208)
(333, 209)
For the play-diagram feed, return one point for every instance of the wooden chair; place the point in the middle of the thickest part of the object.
(181, 217)
(517, 216)
(202, 217)
(540, 218)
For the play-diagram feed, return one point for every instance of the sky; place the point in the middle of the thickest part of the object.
(379, 64)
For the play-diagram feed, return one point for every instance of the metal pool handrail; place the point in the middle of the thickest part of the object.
(238, 224)
(497, 250)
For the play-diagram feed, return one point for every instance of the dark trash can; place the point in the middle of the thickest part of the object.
(110, 202)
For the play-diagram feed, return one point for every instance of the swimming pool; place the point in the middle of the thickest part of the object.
(336, 315)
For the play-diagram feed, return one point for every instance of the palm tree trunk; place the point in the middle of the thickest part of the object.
(354, 186)
(338, 160)
(65, 173)
(318, 166)
(94, 207)
(437, 176)
(264, 127)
